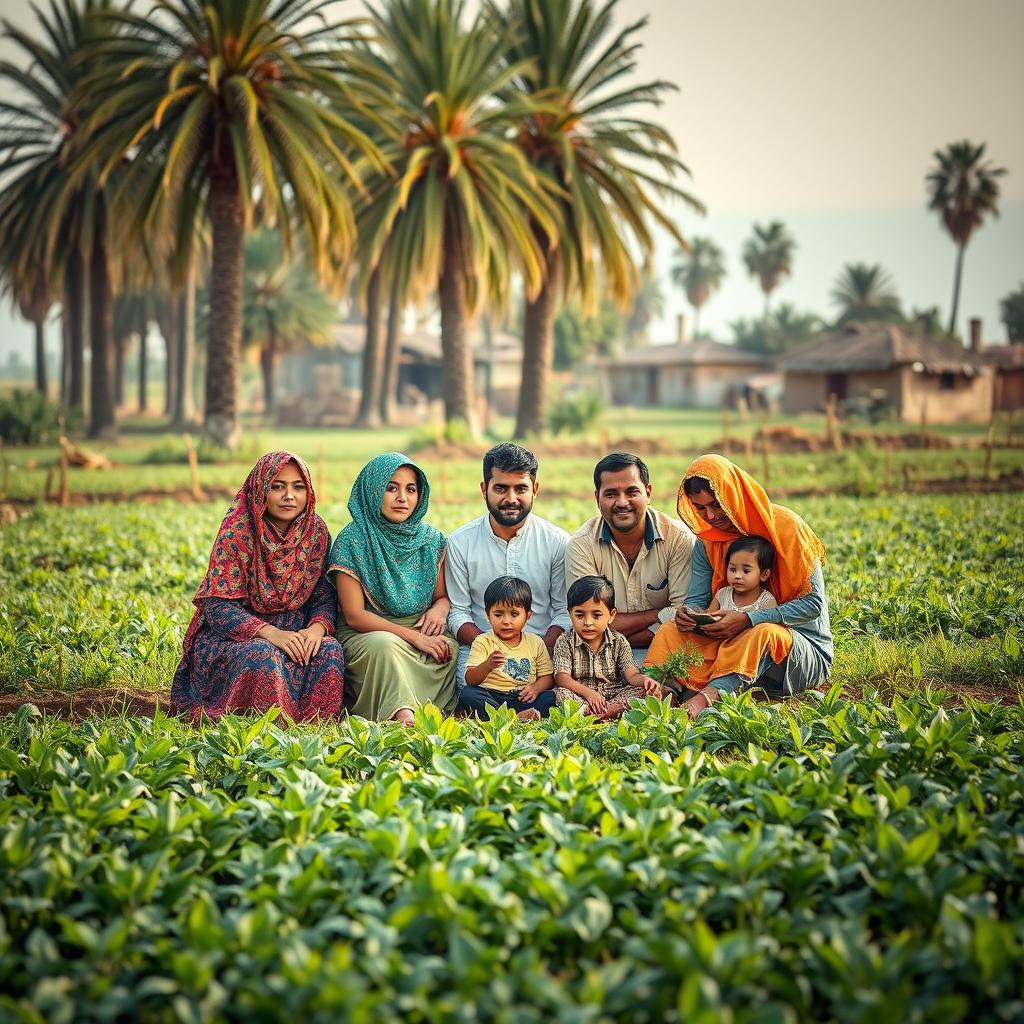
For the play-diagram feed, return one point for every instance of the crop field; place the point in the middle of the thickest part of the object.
(850, 856)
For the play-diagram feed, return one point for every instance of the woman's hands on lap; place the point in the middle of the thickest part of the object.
(300, 645)
(729, 624)
(433, 621)
(436, 647)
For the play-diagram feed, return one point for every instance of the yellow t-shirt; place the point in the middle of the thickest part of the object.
(523, 664)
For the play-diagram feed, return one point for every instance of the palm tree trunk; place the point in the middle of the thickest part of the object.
(268, 362)
(120, 350)
(184, 408)
(143, 366)
(456, 358)
(101, 377)
(168, 319)
(74, 316)
(368, 415)
(227, 217)
(41, 383)
(538, 349)
(389, 392)
(956, 287)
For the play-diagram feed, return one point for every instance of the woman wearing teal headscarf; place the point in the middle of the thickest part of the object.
(386, 566)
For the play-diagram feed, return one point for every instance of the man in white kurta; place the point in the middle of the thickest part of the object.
(509, 540)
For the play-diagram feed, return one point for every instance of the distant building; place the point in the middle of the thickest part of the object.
(688, 374)
(912, 374)
(331, 375)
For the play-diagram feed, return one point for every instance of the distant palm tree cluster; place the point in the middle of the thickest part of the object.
(423, 153)
(962, 188)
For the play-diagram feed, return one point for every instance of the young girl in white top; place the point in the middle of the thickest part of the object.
(749, 563)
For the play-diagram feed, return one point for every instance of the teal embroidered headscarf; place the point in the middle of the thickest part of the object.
(396, 563)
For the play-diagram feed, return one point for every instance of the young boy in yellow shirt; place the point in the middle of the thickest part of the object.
(507, 666)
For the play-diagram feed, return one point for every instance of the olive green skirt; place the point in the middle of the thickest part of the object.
(384, 673)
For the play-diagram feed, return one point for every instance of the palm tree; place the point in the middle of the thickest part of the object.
(864, 292)
(222, 105)
(459, 216)
(962, 190)
(613, 170)
(32, 296)
(768, 256)
(51, 213)
(699, 273)
(284, 306)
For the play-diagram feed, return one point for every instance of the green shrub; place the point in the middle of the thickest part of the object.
(27, 417)
(454, 432)
(172, 451)
(575, 415)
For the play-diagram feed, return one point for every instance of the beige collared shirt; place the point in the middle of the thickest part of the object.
(660, 577)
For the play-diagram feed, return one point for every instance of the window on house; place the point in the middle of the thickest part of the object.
(947, 382)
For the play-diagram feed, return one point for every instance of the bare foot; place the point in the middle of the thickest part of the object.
(404, 716)
(529, 715)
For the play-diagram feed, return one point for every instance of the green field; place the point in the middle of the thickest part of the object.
(852, 857)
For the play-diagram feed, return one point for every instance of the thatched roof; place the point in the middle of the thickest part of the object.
(691, 353)
(866, 346)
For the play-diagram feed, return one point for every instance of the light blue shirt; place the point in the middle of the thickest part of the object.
(475, 557)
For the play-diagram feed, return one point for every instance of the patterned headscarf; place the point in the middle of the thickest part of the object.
(396, 563)
(744, 501)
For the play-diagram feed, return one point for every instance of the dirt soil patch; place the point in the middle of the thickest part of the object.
(97, 702)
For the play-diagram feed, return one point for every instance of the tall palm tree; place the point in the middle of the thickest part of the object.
(648, 303)
(613, 170)
(699, 273)
(32, 296)
(459, 216)
(768, 256)
(962, 190)
(866, 292)
(49, 211)
(224, 106)
(284, 306)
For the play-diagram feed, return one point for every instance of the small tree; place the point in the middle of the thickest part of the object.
(699, 273)
(1011, 312)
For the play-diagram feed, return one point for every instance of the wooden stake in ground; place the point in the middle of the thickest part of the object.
(193, 468)
(887, 450)
(725, 430)
(924, 416)
(320, 474)
(832, 424)
(990, 440)
(1009, 425)
(766, 468)
(63, 494)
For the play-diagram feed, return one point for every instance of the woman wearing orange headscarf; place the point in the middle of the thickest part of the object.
(785, 649)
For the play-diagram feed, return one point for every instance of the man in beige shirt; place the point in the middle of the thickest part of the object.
(644, 553)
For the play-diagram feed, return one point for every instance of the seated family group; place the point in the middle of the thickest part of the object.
(509, 609)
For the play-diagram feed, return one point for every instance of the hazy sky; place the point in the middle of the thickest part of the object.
(825, 114)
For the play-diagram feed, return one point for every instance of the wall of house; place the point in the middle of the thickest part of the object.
(713, 385)
(803, 392)
(676, 387)
(968, 401)
(1011, 389)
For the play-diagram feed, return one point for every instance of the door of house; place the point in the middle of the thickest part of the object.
(836, 384)
(652, 386)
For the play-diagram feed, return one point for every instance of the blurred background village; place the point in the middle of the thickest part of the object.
(332, 230)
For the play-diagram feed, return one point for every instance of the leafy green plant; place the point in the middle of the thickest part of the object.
(575, 415)
(27, 417)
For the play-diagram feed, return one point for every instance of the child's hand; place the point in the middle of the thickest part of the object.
(528, 694)
(496, 659)
(652, 688)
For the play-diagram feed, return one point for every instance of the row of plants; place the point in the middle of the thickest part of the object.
(823, 860)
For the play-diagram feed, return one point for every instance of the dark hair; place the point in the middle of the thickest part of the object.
(591, 588)
(509, 590)
(761, 548)
(620, 460)
(509, 458)
(696, 484)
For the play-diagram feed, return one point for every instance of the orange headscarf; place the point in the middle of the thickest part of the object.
(744, 501)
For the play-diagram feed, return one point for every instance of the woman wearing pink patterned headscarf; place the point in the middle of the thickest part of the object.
(263, 630)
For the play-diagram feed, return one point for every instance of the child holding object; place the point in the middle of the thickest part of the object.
(594, 664)
(749, 563)
(507, 666)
